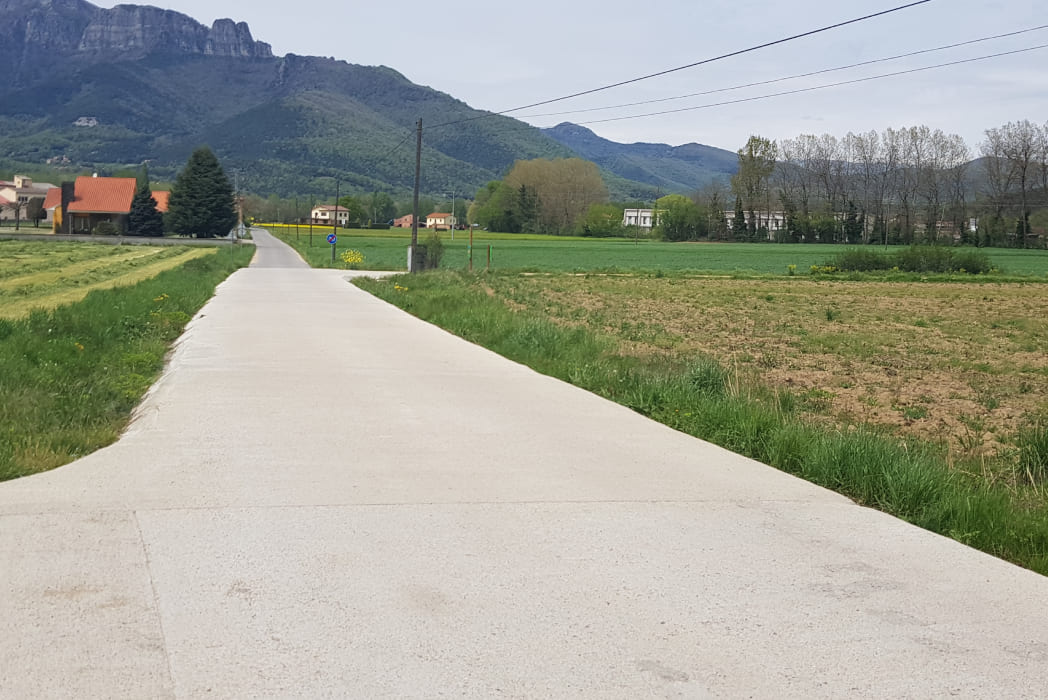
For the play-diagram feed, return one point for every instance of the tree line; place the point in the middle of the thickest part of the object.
(899, 186)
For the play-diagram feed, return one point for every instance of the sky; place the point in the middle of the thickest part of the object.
(499, 56)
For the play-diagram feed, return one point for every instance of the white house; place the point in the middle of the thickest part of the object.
(638, 217)
(325, 215)
(21, 190)
(441, 222)
(773, 221)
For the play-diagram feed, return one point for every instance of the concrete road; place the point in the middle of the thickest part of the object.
(325, 497)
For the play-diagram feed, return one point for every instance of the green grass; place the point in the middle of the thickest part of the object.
(910, 480)
(49, 274)
(387, 250)
(71, 376)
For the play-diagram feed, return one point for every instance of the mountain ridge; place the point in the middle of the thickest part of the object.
(682, 169)
(110, 88)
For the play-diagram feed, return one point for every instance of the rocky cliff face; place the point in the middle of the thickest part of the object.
(37, 35)
(143, 29)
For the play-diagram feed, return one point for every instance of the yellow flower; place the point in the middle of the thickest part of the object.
(352, 257)
(79, 347)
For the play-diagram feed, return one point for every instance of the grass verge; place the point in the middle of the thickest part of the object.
(71, 376)
(907, 479)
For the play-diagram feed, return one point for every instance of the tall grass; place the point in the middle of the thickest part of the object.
(70, 377)
(706, 400)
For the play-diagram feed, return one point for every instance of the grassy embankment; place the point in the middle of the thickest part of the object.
(571, 327)
(387, 250)
(83, 334)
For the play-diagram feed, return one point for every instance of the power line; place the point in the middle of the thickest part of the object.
(690, 65)
(816, 87)
(790, 77)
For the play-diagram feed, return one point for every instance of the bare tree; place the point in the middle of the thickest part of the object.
(1000, 177)
(1021, 146)
(16, 207)
(756, 164)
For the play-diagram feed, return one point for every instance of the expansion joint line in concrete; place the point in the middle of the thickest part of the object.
(156, 601)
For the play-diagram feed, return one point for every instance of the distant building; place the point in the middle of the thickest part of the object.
(86, 122)
(21, 190)
(327, 215)
(772, 221)
(638, 217)
(404, 221)
(161, 199)
(440, 222)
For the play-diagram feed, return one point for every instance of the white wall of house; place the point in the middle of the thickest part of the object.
(637, 217)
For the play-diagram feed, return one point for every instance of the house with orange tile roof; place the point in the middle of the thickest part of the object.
(161, 199)
(440, 221)
(93, 200)
(99, 200)
(53, 208)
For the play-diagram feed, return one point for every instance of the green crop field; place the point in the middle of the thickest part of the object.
(387, 250)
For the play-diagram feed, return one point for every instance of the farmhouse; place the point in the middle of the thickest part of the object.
(404, 221)
(79, 207)
(440, 222)
(98, 200)
(327, 215)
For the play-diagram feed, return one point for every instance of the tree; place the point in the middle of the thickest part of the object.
(854, 223)
(496, 208)
(145, 219)
(562, 190)
(756, 165)
(381, 208)
(1021, 145)
(355, 209)
(34, 210)
(201, 201)
(16, 207)
(738, 222)
(602, 220)
(679, 219)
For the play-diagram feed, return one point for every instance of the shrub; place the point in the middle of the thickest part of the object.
(923, 258)
(973, 262)
(432, 252)
(106, 228)
(860, 260)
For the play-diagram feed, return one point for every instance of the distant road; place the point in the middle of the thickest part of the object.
(326, 497)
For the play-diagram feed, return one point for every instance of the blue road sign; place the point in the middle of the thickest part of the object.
(332, 238)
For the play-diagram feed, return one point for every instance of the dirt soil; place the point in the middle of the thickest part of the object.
(965, 365)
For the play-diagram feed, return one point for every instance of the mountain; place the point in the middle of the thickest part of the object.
(682, 169)
(109, 88)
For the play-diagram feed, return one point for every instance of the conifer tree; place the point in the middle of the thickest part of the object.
(145, 218)
(201, 201)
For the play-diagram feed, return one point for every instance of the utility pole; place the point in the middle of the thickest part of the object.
(240, 202)
(334, 222)
(414, 208)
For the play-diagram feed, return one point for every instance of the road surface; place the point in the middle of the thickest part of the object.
(325, 497)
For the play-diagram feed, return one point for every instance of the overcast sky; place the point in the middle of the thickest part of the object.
(497, 56)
